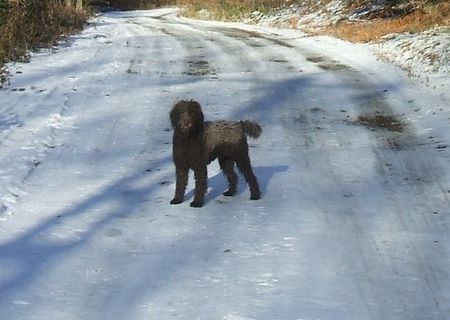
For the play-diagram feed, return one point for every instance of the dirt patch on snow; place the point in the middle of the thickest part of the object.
(380, 121)
(198, 68)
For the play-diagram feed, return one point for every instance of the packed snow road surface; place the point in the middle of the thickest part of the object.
(353, 165)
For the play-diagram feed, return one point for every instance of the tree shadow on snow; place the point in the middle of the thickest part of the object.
(33, 252)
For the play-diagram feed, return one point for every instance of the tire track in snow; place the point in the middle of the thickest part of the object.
(39, 129)
(397, 155)
(32, 104)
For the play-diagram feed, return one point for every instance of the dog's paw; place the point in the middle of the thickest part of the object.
(229, 193)
(255, 197)
(196, 204)
(176, 201)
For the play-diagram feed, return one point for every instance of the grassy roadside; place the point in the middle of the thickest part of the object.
(26, 25)
(413, 18)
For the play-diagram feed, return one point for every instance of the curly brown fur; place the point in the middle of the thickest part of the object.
(196, 143)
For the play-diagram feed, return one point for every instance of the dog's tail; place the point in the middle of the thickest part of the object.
(251, 129)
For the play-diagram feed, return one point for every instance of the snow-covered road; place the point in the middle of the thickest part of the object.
(353, 164)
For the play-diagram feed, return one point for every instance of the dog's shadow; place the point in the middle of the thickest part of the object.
(218, 184)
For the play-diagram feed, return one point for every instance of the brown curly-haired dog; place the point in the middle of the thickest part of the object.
(196, 143)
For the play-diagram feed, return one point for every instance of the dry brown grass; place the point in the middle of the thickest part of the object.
(31, 24)
(423, 18)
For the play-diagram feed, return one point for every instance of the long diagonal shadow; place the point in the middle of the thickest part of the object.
(29, 254)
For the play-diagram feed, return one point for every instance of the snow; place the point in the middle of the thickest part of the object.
(424, 54)
(354, 218)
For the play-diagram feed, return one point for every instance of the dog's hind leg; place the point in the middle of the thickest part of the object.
(227, 167)
(182, 180)
(201, 184)
(246, 169)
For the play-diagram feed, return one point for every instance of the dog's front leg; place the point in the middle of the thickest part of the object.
(182, 180)
(201, 184)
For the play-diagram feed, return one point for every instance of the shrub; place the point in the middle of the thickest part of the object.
(4, 5)
(31, 24)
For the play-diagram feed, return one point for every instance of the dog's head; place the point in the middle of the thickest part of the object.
(186, 117)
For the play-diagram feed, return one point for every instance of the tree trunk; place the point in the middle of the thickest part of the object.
(79, 5)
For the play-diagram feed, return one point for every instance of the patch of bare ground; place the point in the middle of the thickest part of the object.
(380, 121)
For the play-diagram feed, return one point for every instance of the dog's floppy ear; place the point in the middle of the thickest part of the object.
(197, 114)
(174, 115)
